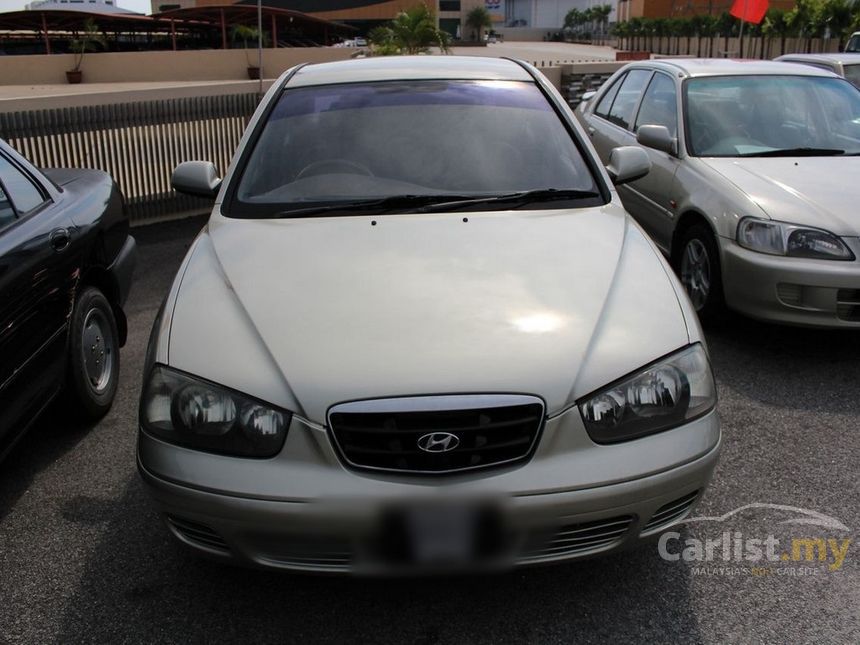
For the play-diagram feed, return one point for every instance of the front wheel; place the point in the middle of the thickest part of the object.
(698, 265)
(93, 368)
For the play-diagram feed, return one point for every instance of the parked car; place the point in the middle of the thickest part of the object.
(360, 41)
(66, 262)
(751, 192)
(845, 65)
(853, 44)
(420, 330)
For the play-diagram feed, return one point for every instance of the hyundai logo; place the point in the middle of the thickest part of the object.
(438, 442)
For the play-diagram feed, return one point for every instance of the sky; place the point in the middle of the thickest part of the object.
(141, 6)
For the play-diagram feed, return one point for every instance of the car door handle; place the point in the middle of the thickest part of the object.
(591, 130)
(60, 239)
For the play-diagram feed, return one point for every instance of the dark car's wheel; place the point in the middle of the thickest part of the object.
(93, 370)
(697, 262)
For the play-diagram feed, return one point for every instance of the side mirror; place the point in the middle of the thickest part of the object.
(197, 178)
(628, 163)
(587, 96)
(658, 138)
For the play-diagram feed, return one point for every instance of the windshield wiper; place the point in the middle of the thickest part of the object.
(435, 202)
(796, 152)
(361, 205)
(519, 198)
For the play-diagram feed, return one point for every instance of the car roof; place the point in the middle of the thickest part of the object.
(691, 67)
(836, 57)
(389, 68)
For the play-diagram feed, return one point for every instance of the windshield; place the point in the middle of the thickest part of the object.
(736, 116)
(421, 140)
(853, 44)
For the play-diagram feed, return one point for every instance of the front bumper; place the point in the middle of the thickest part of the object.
(338, 522)
(795, 291)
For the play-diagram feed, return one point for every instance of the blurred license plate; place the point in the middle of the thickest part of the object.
(442, 534)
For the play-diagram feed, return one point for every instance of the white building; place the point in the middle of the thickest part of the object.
(96, 6)
(544, 14)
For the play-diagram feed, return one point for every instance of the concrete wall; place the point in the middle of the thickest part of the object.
(129, 67)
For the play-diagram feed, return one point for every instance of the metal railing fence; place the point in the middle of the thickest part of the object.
(139, 144)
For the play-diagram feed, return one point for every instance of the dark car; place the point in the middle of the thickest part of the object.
(66, 261)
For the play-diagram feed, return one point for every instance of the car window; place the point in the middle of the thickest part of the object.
(852, 74)
(625, 102)
(853, 44)
(7, 213)
(360, 141)
(732, 116)
(659, 104)
(605, 104)
(19, 188)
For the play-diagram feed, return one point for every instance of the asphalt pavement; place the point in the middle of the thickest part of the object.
(84, 559)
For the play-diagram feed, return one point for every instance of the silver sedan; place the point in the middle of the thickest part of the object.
(420, 331)
(752, 192)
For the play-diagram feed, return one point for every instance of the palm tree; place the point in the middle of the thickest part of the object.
(88, 40)
(477, 20)
(600, 14)
(413, 31)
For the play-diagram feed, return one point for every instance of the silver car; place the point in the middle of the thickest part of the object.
(752, 191)
(844, 65)
(420, 331)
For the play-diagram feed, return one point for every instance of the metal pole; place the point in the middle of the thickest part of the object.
(260, 42)
(741, 34)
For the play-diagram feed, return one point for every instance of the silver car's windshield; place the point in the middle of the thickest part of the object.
(746, 116)
(852, 73)
(419, 142)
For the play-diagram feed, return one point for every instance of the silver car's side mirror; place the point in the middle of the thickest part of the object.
(658, 138)
(628, 163)
(198, 178)
(587, 96)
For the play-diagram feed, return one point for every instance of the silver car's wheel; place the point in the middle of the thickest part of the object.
(696, 272)
(697, 261)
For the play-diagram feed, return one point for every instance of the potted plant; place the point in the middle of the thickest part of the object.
(247, 33)
(88, 40)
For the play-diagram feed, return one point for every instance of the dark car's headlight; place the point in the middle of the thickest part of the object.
(779, 238)
(668, 393)
(198, 414)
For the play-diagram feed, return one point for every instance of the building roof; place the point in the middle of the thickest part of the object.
(731, 67)
(385, 68)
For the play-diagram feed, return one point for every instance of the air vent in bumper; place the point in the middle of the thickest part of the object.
(572, 539)
(671, 512)
(197, 534)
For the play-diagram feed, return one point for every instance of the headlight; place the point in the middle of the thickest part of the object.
(667, 394)
(779, 238)
(192, 412)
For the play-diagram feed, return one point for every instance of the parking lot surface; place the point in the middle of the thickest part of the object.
(83, 557)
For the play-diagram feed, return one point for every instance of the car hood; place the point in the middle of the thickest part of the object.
(812, 191)
(307, 313)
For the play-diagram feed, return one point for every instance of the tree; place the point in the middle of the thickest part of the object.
(88, 40)
(600, 14)
(412, 31)
(246, 34)
(477, 20)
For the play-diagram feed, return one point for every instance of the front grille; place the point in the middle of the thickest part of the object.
(457, 432)
(672, 511)
(197, 533)
(572, 539)
(848, 304)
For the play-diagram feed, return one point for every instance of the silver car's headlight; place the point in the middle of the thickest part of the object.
(779, 238)
(666, 394)
(198, 414)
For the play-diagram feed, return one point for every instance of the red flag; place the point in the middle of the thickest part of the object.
(749, 10)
